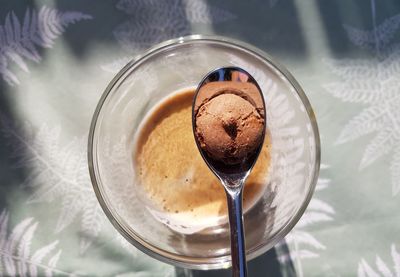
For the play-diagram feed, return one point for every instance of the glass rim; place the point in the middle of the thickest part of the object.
(201, 263)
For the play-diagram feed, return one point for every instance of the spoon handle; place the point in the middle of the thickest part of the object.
(238, 249)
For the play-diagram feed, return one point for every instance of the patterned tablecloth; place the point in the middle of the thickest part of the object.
(57, 57)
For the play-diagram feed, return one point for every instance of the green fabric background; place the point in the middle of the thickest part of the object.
(344, 53)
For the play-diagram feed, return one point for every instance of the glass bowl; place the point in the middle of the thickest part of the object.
(135, 91)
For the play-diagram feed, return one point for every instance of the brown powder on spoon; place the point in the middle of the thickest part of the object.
(229, 126)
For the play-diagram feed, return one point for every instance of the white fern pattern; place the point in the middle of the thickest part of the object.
(58, 173)
(365, 270)
(154, 21)
(20, 39)
(373, 82)
(16, 258)
(304, 244)
(381, 35)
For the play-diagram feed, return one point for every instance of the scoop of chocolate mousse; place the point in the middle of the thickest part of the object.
(229, 127)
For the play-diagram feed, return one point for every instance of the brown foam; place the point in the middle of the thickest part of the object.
(172, 171)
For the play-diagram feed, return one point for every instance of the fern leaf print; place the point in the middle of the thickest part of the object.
(151, 22)
(303, 244)
(154, 21)
(20, 40)
(381, 268)
(374, 84)
(17, 258)
(58, 173)
(382, 34)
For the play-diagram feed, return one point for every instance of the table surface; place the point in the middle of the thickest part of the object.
(57, 57)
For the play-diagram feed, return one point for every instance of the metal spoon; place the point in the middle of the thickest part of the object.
(231, 174)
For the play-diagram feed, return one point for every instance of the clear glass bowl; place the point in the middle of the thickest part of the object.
(167, 68)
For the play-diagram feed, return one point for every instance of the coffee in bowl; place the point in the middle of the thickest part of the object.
(183, 192)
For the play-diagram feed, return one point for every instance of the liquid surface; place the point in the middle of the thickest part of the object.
(172, 172)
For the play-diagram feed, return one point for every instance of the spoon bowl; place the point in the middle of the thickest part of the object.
(231, 166)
